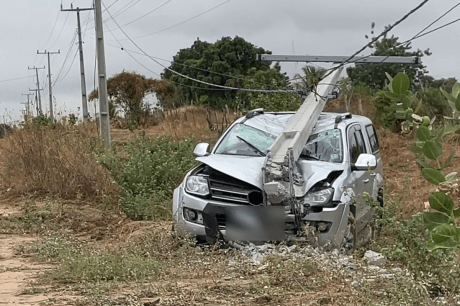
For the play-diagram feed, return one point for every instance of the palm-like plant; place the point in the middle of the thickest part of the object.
(311, 76)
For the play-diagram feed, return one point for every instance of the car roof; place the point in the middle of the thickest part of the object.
(275, 123)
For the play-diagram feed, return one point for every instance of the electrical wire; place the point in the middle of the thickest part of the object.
(52, 30)
(146, 14)
(15, 79)
(388, 29)
(70, 67)
(185, 21)
(69, 51)
(60, 32)
(192, 79)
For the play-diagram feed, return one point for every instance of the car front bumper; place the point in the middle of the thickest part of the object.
(215, 217)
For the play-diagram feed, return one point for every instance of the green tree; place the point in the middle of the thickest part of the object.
(269, 101)
(311, 76)
(225, 62)
(374, 75)
(127, 90)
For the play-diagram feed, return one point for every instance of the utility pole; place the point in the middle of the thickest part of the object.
(49, 80)
(27, 105)
(37, 91)
(84, 99)
(103, 103)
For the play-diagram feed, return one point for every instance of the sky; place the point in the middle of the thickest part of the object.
(162, 27)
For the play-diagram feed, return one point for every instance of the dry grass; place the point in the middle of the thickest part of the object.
(204, 125)
(54, 161)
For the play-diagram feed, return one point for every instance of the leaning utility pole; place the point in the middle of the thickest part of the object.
(39, 106)
(84, 99)
(103, 103)
(49, 80)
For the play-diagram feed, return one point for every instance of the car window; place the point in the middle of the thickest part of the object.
(373, 139)
(355, 143)
(324, 146)
(237, 139)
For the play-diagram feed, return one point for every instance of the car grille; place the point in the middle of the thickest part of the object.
(224, 191)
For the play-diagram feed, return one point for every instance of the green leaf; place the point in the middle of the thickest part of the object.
(441, 134)
(423, 133)
(433, 176)
(422, 163)
(448, 96)
(456, 90)
(457, 213)
(457, 103)
(443, 232)
(450, 159)
(447, 244)
(432, 149)
(401, 83)
(390, 95)
(441, 202)
(388, 76)
(406, 102)
(434, 219)
(415, 149)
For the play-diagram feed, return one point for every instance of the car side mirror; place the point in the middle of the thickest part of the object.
(201, 149)
(365, 162)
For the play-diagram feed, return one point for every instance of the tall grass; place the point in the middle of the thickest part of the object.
(54, 160)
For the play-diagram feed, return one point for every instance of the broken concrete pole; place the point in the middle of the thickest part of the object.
(276, 192)
(374, 258)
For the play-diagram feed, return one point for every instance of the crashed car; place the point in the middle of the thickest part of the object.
(339, 164)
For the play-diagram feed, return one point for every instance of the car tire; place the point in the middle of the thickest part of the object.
(349, 239)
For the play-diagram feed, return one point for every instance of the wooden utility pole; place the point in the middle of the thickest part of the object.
(103, 102)
(84, 99)
(50, 88)
(37, 91)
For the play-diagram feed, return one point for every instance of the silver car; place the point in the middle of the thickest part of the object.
(339, 164)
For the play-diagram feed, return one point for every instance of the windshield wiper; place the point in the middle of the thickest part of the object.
(251, 146)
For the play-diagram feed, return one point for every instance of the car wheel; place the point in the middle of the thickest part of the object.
(349, 240)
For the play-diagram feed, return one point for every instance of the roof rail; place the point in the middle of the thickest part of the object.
(340, 118)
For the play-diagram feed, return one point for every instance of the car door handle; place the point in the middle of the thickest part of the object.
(366, 181)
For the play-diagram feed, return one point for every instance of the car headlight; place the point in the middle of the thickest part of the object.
(320, 197)
(197, 185)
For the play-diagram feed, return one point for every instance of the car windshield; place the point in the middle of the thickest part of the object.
(245, 140)
(324, 146)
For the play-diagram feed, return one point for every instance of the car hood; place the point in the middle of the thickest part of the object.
(244, 168)
(249, 169)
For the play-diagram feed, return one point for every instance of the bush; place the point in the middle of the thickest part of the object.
(405, 241)
(54, 161)
(149, 173)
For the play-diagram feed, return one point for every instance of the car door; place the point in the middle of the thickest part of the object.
(377, 173)
(361, 181)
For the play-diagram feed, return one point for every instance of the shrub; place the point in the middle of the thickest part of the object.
(149, 173)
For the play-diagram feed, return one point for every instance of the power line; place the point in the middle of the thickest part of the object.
(185, 21)
(60, 32)
(148, 13)
(388, 29)
(192, 79)
(15, 79)
(52, 30)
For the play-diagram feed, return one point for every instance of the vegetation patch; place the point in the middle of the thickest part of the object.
(147, 170)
